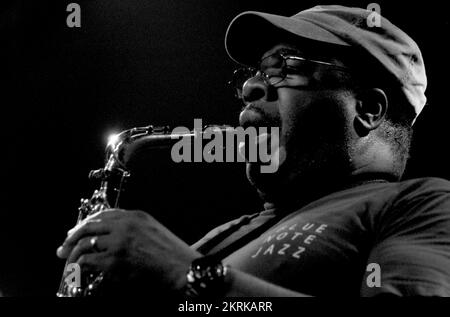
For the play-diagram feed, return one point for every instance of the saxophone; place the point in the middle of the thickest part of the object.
(120, 150)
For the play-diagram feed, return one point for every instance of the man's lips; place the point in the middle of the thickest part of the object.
(254, 116)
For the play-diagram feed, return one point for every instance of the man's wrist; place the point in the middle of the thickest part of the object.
(206, 278)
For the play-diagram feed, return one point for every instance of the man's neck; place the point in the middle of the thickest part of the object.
(375, 163)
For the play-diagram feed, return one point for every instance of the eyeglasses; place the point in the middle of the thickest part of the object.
(283, 63)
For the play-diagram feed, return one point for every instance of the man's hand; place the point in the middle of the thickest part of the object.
(129, 245)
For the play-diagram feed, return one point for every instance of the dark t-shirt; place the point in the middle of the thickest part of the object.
(371, 239)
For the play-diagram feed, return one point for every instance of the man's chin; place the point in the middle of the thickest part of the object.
(265, 183)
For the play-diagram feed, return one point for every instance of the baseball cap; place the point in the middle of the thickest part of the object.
(250, 33)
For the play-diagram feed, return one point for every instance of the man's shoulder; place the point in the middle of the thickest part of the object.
(426, 183)
(423, 187)
(381, 195)
(419, 197)
(412, 239)
(406, 199)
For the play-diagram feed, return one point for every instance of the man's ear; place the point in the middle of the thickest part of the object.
(371, 108)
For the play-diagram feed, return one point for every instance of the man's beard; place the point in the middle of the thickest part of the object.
(301, 175)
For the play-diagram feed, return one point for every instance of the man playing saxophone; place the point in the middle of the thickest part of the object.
(345, 96)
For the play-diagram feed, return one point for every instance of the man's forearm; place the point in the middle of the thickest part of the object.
(240, 284)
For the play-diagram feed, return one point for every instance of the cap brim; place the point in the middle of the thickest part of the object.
(252, 33)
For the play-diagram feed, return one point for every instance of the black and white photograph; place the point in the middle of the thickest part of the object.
(221, 154)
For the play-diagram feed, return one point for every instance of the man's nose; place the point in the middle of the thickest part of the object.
(257, 88)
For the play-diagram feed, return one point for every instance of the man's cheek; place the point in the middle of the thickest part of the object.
(277, 155)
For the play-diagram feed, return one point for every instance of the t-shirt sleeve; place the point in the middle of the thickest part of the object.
(216, 231)
(411, 252)
(211, 234)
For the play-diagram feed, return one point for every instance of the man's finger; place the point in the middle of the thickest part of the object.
(90, 228)
(99, 216)
(89, 244)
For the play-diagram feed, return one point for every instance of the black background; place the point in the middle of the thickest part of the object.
(134, 63)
